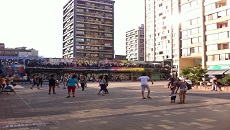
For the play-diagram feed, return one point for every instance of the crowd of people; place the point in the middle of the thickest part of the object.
(71, 81)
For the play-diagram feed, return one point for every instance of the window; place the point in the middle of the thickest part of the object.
(212, 47)
(222, 56)
(195, 40)
(216, 57)
(80, 39)
(210, 58)
(227, 56)
(194, 31)
(79, 47)
(223, 35)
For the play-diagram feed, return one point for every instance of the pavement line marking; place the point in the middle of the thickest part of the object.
(25, 102)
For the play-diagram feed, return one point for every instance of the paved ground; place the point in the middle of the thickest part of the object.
(122, 109)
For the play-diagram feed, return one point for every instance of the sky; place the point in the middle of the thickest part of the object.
(38, 24)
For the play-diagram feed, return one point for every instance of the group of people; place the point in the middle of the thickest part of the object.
(7, 84)
(73, 81)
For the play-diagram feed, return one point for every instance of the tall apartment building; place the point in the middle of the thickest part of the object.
(88, 29)
(161, 31)
(198, 32)
(135, 44)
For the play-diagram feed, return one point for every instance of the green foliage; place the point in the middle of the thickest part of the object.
(195, 74)
(225, 80)
(134, 78)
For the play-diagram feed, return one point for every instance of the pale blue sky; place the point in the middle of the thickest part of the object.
(38, 24)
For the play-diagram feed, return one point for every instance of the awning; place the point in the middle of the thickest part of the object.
(215, 72)
(227, 72)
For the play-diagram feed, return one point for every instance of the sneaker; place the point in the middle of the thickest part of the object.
(143, 98)
(48, 93)
(73, 96)
(149, 97)
(68, 97)
(31, 88)
(54, 93)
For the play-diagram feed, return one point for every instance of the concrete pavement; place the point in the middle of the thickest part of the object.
(121, 109)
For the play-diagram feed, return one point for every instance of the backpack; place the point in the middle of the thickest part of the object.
(189, 86)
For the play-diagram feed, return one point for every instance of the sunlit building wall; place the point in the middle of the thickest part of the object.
(217, 33)
(88, 29)
(135, 44)
(149, 30)
(162, 39)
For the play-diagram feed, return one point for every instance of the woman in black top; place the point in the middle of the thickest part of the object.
(52, 83)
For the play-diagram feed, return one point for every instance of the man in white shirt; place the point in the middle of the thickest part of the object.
(144, 85)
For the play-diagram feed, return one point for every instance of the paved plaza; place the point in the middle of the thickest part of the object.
(121, 109)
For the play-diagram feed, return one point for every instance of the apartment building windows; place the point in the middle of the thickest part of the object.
(223, 46)
(218, 57)
(212, 47)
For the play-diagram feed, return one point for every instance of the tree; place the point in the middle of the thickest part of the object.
(195, 74)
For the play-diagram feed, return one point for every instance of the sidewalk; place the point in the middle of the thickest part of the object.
(209, 88)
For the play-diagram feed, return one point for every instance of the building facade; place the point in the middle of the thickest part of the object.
(197, 32)
(88, 29)
(18, 51)
(120, 57)
(135, 44)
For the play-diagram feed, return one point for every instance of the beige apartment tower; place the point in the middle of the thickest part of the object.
(196, 31)
(88, 29)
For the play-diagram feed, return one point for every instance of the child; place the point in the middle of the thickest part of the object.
(173, 95)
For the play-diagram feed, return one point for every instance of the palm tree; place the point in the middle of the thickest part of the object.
(195, 74)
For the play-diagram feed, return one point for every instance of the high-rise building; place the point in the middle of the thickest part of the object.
(88, 29)
(190, 32)
(162, 31)
(135, 44)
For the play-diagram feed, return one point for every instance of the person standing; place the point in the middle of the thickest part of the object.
(183, 89)
(52, 83)
(71, 83)
(24, 79)
(3, 82)
(144, 85)
(65, 82)
(83, 82)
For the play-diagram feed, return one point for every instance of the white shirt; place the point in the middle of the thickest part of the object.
(24, 77)
(188, 81)
(144, 80)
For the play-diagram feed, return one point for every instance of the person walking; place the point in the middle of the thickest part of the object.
(40, 80)
(35, 82)
(52, 83)
(71, 84)
(102, 84)
(107, 84)
(144, 85)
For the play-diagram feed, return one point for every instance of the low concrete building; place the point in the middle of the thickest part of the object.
(18, 51)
